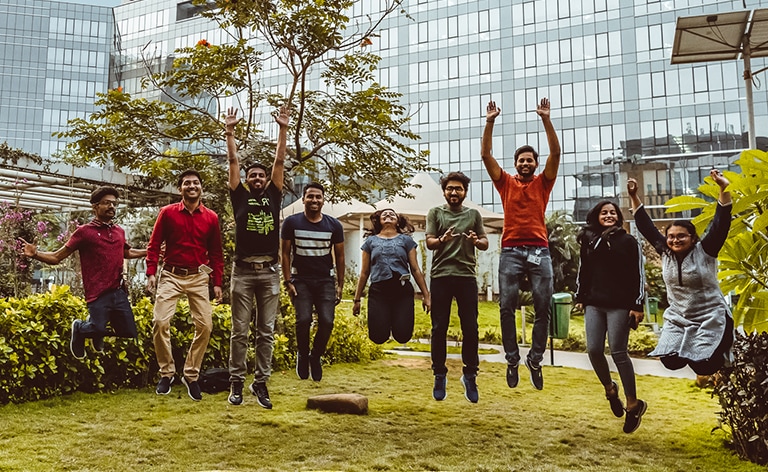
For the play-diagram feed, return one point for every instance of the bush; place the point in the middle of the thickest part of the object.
(742, 390)
(35, 361)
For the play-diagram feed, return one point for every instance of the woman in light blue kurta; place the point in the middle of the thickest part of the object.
(389, 259)
(698, 326)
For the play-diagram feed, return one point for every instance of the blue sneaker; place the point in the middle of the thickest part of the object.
(439, 391)
(470, 388)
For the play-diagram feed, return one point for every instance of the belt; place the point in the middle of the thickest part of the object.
(254, 265)
(183, 271)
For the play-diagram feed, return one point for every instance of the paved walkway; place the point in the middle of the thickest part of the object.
(578, 360)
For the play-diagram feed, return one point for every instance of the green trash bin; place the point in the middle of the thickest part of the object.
(653, 309)
(561, 315)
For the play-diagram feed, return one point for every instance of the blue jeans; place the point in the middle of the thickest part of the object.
(514, 264)
(112, 306)
(264, 285)
(318, 294)
(615, 322)
(443, 290)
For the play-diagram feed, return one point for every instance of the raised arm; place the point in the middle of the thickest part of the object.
(721, 224)
(486, 144)
(278, 167)
(643, 221)
(553, 161)
(230, 122)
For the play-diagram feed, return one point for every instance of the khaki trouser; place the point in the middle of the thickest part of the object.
(169, 288)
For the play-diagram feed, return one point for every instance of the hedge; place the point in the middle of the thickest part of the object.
(35, 361)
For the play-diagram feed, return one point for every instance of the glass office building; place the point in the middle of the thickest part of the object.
(54, 58)
(619, 107)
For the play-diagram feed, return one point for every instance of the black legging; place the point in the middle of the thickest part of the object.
(390, 311)
(709, 366)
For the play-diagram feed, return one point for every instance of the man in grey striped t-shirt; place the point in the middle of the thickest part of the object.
(311, 242)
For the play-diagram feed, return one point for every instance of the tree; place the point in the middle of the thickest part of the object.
(351, 134)
(744, 257)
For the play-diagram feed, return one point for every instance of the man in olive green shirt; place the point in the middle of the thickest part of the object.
(453, 233)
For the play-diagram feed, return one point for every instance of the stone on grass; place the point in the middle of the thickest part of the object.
(352, 403)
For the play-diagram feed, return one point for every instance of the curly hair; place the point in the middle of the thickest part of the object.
(403, 224)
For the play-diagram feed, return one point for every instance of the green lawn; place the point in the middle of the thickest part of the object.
(567, 426)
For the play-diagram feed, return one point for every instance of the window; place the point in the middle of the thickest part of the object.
(453, 109)
(604, 90)
(423, 114)
(530, 55)
(484, 22)
(423, 72)
(453, 26)
(565, 50)
(529, 16)
(67, 57)
(700, 80)
(454, 151)
(658, 84)
(566, 92)
(485, 63)
(423, 32)
(602, 44)
(453, 67)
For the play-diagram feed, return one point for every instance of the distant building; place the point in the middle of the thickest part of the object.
(619, 107)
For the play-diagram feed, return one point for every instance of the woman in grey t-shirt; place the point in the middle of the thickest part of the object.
(389, 259)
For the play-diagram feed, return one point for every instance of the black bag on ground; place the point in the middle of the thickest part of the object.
(214, 380)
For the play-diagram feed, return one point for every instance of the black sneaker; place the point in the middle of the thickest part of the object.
(316, 368)
(634, 416)
(98, 344)
(164, 386)
(439, 391)
(77, 341)
(616, 406)
(512, 375)
(470, 388)
(235, 393)
(302, 366)
(537, 378)
(193, 389)
(262, 394)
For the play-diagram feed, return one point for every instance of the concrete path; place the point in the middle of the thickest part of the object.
(578, 360)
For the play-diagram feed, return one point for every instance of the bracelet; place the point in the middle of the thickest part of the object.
(229, 133)
(286, 283)
(490, 121)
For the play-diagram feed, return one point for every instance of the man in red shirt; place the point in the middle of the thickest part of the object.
(525, 243)
(102, 247)
(192, 256)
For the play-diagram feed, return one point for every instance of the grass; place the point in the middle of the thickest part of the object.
(567, 426)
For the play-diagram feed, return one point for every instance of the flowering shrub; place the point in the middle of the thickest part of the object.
(14, 224)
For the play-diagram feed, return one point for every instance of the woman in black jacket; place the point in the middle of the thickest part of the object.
(610, 288)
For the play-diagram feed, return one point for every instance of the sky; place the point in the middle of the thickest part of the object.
(103, 3)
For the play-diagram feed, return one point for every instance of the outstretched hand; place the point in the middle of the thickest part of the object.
(231, 120)
(282, 116)
(492, 111)
(543, 109)
(29, 249)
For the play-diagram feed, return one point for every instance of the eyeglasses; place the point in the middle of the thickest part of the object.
(678, 237)
(110, 203)
(452, 189)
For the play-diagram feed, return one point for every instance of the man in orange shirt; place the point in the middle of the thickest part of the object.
(525, 243)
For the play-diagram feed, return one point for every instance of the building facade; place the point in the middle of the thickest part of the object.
(54, 58)
(619, 107)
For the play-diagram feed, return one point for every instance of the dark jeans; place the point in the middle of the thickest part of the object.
(111, 307)
(390, 310)
(709, 366)
(443, 291)
(318, 294)
(514, 264)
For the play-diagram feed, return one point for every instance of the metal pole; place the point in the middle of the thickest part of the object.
(750, 103)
